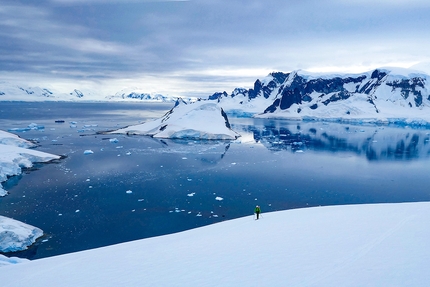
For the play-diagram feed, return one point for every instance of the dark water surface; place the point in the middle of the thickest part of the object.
(133, 187)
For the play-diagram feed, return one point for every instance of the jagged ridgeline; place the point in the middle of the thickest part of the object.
(377, 94)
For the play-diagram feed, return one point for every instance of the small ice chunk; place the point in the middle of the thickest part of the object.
(88, 151)
(129, 191)
(77, 210)
(191, 194)
(219, 198)
(114, 140)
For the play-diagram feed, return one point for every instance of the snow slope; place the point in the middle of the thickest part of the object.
(200, 120)
(16, 235)
(355, 245)
(15, 155)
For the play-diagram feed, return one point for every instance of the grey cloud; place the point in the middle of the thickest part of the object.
(180, 39)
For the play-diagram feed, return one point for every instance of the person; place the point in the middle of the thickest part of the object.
(257, 211)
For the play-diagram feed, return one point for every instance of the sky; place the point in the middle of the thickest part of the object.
(199, 47)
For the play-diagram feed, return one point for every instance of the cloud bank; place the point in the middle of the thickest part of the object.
(202, 46)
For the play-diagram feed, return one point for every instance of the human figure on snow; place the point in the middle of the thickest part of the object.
(257, 211)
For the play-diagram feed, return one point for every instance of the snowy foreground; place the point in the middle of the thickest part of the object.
(355, 245)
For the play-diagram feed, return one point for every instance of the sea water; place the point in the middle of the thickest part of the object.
(115, 188)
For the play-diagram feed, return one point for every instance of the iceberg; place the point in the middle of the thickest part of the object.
(16, 235)
(202, 120)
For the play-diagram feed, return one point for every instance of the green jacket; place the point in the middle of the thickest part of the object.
(257, 210)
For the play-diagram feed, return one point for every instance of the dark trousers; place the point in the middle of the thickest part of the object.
(258, 214)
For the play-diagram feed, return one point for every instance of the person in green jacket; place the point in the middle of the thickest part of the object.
(257, 211)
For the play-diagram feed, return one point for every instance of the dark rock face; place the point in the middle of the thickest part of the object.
(409, 87)
(217, 96)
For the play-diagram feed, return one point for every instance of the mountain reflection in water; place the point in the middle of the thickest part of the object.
(373, 142)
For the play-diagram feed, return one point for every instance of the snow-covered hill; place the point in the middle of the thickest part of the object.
(382, 95)
(202, 120)
(348, 245)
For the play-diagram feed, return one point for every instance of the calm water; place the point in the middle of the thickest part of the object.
(136, 187)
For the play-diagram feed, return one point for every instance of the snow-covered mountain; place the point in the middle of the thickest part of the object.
(385, 95)
(137, 94)
(14, 92)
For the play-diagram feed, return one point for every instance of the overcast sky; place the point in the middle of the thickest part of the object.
(199, 47)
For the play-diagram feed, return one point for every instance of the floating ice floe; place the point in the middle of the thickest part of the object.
(88, 151)
(114, 140)
(129, 191)
(191, 194)
(16, 235)
(31, 126)
(219, 198)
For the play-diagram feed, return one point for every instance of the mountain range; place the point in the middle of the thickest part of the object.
(16, 92)
(381, 95)
(386, 95)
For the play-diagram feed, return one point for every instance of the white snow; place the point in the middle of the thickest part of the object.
(355, 245)
(22, 92)
(10, 260)
(199, 120)
(14, 155)
(16, 235)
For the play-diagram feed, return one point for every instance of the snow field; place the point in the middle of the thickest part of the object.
(351, 245)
